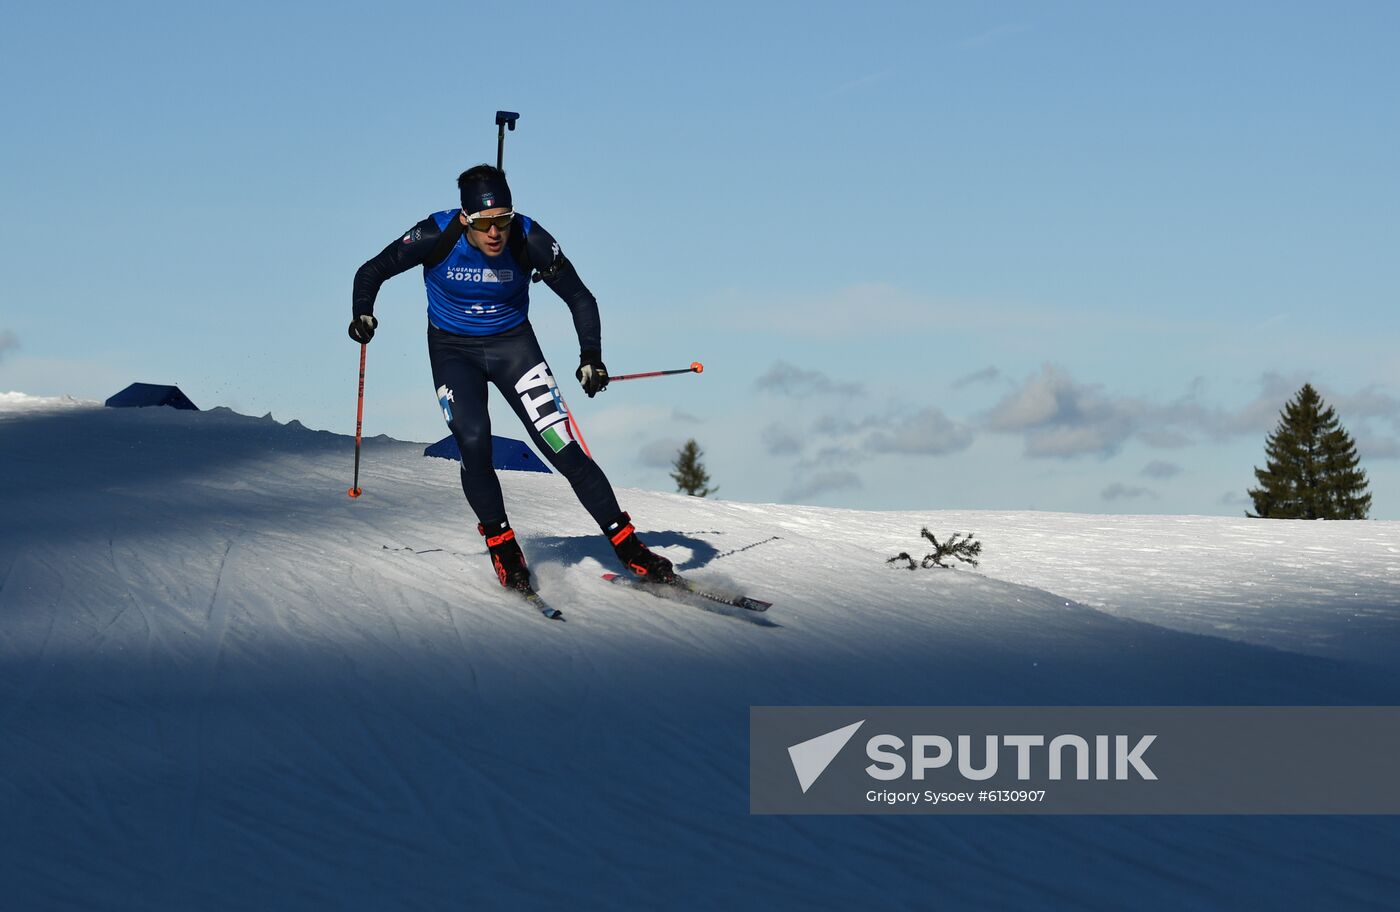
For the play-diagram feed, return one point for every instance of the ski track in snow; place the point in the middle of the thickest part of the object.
(224, 684)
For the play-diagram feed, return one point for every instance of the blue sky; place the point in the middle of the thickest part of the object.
(1058, 256)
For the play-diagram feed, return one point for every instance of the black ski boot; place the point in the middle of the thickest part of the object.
(634, 555)
(506, 556)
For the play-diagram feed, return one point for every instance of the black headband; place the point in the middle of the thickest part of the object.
(487, 192)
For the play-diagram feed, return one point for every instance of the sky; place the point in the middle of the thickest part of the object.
(1071, 256)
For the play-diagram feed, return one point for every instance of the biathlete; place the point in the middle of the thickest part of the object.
(477, 264)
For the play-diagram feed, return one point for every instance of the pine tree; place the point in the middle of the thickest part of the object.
(690, 475)
(1312, 470)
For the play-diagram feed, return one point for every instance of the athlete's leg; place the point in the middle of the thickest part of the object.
(460, 377)
(518, 368)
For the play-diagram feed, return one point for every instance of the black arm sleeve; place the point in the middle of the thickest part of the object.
(561, 277)
(403, 254)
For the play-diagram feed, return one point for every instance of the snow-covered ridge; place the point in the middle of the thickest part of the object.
(225, 684)
(22, 403)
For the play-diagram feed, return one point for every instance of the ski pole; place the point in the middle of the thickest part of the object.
(504, 119)
(695, 368)
(359, 423)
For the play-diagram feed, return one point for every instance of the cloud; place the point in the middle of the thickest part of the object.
(833, 457)
(1159, 469)
(1100, 439)
(838, 425)
(1055, 415)
(8, 343)
(1356, 411)
(833, 467)
(1118, 491)
(927, 432)
(1165, 440)
(1257, 417)
(1041, 402)
(790, 380)
(660, 454)
(985, 375)
(1235, 499)
(822, 483)
(1261, 415)
(1175, 423)
(1369, 402)
(781, 440)
(1374, 446)
(1062, 419)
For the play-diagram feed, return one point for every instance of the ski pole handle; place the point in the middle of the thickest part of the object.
(695, 368)
(359, 423)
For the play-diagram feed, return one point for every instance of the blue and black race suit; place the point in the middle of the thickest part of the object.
(472, 294)
(479, 333)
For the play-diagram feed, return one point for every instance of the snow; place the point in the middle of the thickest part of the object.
(12, 403)
(226, 684)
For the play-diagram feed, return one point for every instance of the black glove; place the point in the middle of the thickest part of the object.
(592, 374)
(362, 328)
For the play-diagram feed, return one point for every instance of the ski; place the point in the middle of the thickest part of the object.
(533, 597)
(685, 585)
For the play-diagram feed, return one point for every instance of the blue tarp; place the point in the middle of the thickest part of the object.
(140, 395)
(506, 453)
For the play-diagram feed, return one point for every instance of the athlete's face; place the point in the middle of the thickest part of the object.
(491, 241)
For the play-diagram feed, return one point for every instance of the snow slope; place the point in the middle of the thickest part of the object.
(225, 684)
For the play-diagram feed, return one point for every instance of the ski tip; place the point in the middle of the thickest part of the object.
(610, 576)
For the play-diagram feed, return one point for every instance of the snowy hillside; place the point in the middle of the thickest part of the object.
(226, 685)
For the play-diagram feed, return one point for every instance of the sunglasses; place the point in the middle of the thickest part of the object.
(485, 223)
